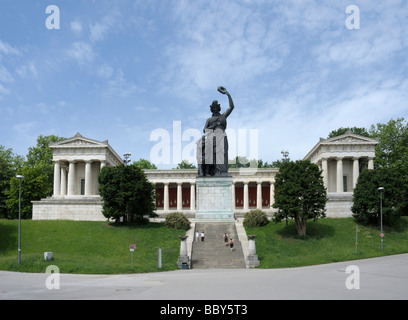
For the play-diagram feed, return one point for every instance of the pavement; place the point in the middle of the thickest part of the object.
(377, 278)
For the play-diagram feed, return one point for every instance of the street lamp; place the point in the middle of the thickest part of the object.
(381, 189)
(19, 177)
(127, 156)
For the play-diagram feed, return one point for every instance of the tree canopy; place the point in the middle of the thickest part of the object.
(366, 197)
(126, 193)
(299, 193)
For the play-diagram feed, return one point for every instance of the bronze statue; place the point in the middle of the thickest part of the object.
(212, 148)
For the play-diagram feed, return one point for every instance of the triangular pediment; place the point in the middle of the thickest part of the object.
(77, 141)
(349, 138)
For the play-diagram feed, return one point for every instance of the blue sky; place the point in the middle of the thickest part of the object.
(121, 70)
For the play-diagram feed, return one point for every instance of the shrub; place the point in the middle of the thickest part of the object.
(255, 218)
(177, 220)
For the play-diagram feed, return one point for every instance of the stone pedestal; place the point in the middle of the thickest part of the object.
(183, 260)
(214, 198)
(252, 259)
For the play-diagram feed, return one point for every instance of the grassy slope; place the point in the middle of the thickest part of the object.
(101, 248)
(87, 247)
(328, 240)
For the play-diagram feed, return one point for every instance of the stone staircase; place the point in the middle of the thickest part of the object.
(212, 253)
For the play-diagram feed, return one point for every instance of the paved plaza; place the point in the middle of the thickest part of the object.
(379, 278)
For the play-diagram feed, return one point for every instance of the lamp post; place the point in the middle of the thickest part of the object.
(19, 177)
(126, 156)
(381, 189)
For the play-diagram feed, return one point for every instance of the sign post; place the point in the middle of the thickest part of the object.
(132, 248)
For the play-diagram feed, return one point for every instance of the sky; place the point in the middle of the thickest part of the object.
(142, 74)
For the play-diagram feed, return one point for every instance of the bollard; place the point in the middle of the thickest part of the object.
(160, 259)
(48, 256)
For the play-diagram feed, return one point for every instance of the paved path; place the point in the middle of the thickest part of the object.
(380, 278)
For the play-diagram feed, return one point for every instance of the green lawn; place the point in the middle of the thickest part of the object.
(103, 248)
(328, 240)
(87, 247)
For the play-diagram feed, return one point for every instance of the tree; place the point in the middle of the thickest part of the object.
(392, 149)
(299, 193)
(40, 156)
(356, 130)
(34, 187)
(243, 162)
(9, 164)
(366, 198)
(126, 193)
(144, 164)
(185, 165)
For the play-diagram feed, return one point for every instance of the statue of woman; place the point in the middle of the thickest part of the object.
(214, 144)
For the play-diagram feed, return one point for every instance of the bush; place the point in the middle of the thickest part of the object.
(255, 218)
(177, 220)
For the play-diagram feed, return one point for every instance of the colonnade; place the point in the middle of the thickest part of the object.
(181, 195)
(67, 177)
(339, 168)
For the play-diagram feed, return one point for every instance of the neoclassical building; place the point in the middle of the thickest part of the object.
(78, 161)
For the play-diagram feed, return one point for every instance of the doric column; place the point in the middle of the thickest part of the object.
(272, 194)
(339, 179)
(179, 196)
(103, 164)
(57, 179)
(325, 172)
(259, 195)
(356, 171)
(63, 181)
(233, 195)
(88, 178)
(370, 163)
(71, 178)
(246, 196)
(166, 196)
(192, 196)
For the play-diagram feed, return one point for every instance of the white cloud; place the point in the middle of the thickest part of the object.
(28, 70)
(7, 49)
(215, 43)
(82, 52)
(5, 75)
(76, 26)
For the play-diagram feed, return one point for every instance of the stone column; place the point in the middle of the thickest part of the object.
(63, 181)
(233, 195)
(57, 179)
(272, 194)
(166, 196)
(192, 197)
(246, 196)
(356, 171)
(103, 164)
(259, 195)
(370, 163)
(339, 179)
(88, 178)
(325, 172)
(179, 196)
(71, 178)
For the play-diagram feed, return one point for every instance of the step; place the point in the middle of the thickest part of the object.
(212, 252)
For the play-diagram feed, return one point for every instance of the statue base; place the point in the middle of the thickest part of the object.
(214, 198)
